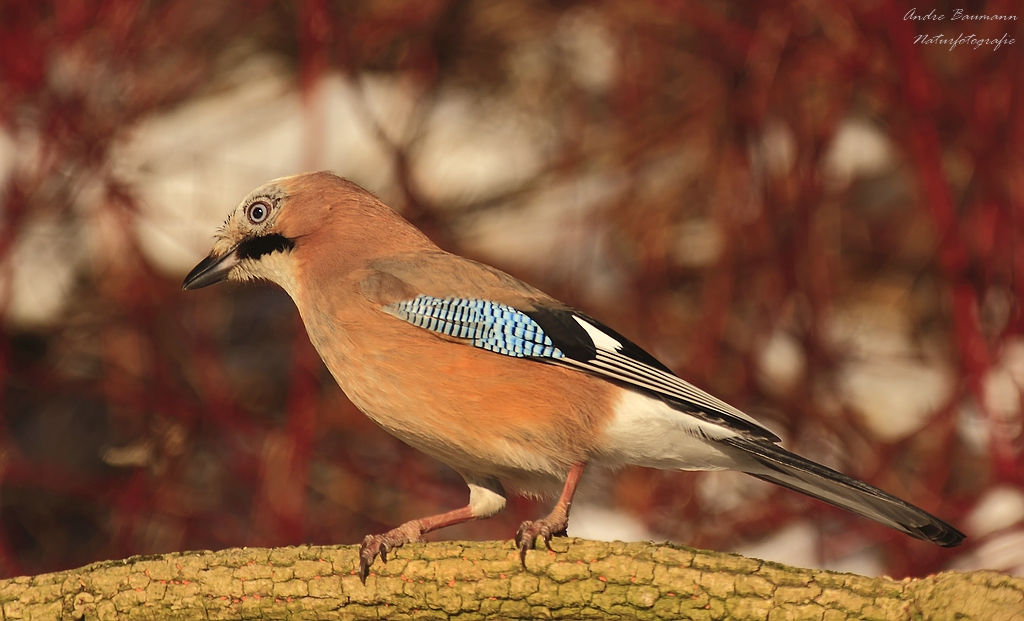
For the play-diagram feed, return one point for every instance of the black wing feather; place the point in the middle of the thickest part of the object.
(569, 336)
(631, 366)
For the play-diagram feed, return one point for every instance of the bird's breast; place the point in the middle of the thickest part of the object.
(478, 411)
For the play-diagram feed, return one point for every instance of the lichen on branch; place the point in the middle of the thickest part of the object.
(484, 580)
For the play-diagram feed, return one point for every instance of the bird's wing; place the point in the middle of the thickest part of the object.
(523, 322)
(593, 347)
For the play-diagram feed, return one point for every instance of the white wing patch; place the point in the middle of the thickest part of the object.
(601, 340)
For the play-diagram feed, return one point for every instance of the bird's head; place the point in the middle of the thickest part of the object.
(289, 226)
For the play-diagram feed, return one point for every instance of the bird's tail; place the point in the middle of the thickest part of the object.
(779, 466)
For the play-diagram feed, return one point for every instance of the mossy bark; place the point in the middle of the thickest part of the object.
(470, 580)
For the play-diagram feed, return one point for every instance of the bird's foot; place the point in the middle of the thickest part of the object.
(553, 525)
(379, 545)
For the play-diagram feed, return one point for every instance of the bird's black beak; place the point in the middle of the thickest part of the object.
(211, 270)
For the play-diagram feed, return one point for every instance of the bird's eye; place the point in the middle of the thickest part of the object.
(258, 212)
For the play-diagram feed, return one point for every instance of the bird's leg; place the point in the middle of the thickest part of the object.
(410, 532)
(556, 522)
(486, 498)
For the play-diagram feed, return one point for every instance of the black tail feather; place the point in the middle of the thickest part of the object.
(779, 466)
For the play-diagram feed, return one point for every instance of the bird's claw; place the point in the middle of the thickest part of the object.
(545, 528)
(368, 551)
(380, 545)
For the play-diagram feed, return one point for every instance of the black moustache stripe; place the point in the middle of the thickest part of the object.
(256, 247)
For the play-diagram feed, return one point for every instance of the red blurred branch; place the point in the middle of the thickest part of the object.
(954, 259)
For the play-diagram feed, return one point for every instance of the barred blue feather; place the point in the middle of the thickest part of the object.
(487, 325)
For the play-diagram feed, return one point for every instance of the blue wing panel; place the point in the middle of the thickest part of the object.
(488, 325)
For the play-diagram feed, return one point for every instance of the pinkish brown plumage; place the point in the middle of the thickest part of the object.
(508, 386)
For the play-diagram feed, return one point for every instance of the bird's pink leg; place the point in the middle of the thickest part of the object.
(486, 498)
(410, 532)
(556, 522)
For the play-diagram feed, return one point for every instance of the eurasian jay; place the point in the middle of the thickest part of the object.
(510, 387)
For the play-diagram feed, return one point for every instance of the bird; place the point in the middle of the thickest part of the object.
(513, 389)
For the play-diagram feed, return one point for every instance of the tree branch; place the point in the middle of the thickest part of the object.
(483, 580)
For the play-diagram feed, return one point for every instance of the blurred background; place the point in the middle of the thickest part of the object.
(790, 203)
